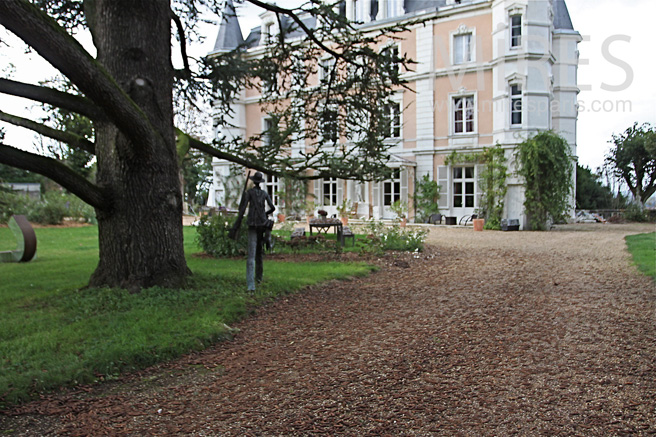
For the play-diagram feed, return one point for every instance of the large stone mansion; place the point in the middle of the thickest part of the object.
(488, 72)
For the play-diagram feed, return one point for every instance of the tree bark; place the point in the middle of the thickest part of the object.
(140, 236)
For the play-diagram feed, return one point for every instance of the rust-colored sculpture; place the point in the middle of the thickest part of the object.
(25, 239)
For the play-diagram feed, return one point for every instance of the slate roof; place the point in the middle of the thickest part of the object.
(562, 20)
(229, 36)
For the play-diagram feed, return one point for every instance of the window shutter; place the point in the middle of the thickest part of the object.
(376, 200)
(340, 191)
(480, 168)
(404, 184)
(318, 199)
(443, 182)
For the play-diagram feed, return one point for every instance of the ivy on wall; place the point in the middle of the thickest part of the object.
(545, 163)
(492, 181)
(427, 194)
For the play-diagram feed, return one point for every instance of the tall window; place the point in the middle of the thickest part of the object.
(392, 188)
(326, 69)
(463, 115)
(393, 120)
(462, 48)
(273, 188)
(515, 30)
(463, 187)
(330, 124)
(515, 105)
(390, 59)
(266, 132)
(329, 192)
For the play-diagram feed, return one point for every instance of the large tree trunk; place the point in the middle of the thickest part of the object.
(140, 235)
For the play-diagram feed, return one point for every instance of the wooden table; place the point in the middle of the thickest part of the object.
(323, 225)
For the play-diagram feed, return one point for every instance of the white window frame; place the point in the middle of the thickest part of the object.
(394, 113)
(454, 108)
(456, 37)
(267, 123)
(396, 52)
(463, 182)
(326, 66)
(272, 186)
(513, 100)
(464, 42)
(329, 191)
(391, 188)
(515, 40)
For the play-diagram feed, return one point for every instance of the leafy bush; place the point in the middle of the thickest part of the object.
(213, 238)
(51, 210)
(395, 237)
(426, 198)
(12, 204)
(636, 213)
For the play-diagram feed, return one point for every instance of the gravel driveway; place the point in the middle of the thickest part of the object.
(486, 333)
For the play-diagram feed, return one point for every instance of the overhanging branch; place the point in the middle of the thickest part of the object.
(78, 104)
(71, 139)
(55, 170)
(62, 51)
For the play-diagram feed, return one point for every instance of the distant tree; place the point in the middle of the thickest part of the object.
(590, 192)
(632, 158)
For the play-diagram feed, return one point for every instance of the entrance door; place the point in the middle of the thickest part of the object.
(463, 198)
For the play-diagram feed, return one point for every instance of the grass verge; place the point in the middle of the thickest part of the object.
(643, 250)
(56, 334)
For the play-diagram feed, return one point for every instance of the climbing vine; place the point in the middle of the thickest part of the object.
(545, 163)
(427, 194)
(492, 181)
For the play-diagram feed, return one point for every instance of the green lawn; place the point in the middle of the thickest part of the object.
(643, 249)
(56, 333)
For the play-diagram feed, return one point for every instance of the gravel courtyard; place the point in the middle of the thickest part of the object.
(485, 333)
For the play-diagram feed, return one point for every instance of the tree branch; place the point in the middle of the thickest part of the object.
(183, 43)
(71, 139)
(58, 172)
(212, 151)
(78, 104)
(51, 41)
(290, 12)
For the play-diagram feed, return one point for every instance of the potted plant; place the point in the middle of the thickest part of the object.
(401, 210)
(343, 210)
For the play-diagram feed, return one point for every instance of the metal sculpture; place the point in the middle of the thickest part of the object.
(25, 239)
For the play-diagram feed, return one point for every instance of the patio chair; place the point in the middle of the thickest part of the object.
(434, 219)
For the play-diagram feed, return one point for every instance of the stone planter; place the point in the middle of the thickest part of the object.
(478, 224)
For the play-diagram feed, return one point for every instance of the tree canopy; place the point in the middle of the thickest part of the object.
(126, 89)
(632, 158)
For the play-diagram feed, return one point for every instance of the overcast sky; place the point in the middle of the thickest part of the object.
(615, 73)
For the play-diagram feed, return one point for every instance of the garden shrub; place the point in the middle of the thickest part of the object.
(213, 237)
(395, 237)
(50, 211)
(635, 213)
